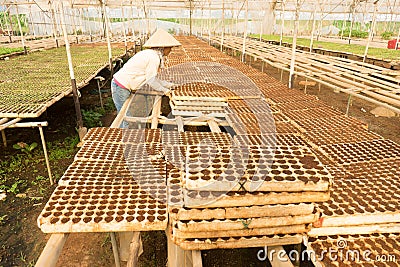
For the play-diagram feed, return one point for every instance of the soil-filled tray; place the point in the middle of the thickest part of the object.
(270, 140)
(205, 138)
(340, 135)
(123, 136)
(173, 138)
(251, 128)
(388, 169)
(118, 152)
(18, 110)
(96, 173)
(356, 250)
(250, 106)
(253, 118)
(254, 168)
(362, 151)
(108, 208)
(331, 122)
(213, 199)
(277, 230)
(278, 99)
(277, 210)
(361, 202)
(314, 113)
(243, 223)
(301, 105)
(237, 242)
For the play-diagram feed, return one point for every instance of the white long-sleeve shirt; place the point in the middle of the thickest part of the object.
(140, 69)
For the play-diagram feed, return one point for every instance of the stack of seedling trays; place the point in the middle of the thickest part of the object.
(116, 183)
(224, 195)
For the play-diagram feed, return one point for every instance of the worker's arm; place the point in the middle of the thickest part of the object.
(151, 73)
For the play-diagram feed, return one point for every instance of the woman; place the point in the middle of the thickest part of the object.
(142, 68)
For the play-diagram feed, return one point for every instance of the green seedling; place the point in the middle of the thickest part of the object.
(24, 147)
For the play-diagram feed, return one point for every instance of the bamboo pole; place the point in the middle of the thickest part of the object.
(115, 250)
(81, 129)
(223, 25)
(11, 30)
(282, 22)
(293, 59)
(52, 251)
(245, 31)
(53, 16)
(20, 30)
(352, 22)
(371, 31)
(123, 29)
(31, 19)
(103, 6)
(313, 28)
(396, 45)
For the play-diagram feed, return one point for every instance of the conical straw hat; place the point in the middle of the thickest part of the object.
(161, 38)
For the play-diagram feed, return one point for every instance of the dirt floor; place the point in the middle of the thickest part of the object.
(24, 176)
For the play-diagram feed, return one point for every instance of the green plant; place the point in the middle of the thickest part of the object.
(92, 118)
(355, 33)
(3, 219)
(24, 147)
(14, 187)
(387, 35)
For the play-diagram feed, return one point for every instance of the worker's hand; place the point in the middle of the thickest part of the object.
(168, 93)
(170, 85)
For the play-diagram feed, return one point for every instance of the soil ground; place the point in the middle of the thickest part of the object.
(21, 241)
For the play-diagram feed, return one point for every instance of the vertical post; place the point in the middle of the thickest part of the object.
(3, 136)
(209, 21)
(352, 21)
(45, 154)
(11, 30)
(190, 17)
(115, 250)
(371, 31)
(133, 23)
(348, 105)
(396, 45)
(123, 28)
(74, 25)
(293, 59)
(89, 24)
(108, 38)
(223, 24)
(20, 30)
(31, 19)
(245, 31)
(261, 28)
(313, 29)
(72, 76)
(282, 23)
(53, 17)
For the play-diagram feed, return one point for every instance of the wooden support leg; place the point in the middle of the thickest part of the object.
(99, 88)
(115, 250)
(46, 157)
(305, 87)
(3, 136)
(262, 66)
(348, 105)
(136, 249)
(177, 257)
(196, 257)
(281, 74)
(156, 112)
(319, 87)
(52, 250)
